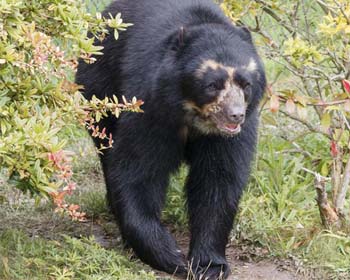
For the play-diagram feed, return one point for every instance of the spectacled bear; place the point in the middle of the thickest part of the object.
(201, 80)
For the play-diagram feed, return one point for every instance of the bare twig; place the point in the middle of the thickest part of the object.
(336, 177)
(321, 103)
(339, 205)
(304, 122)
(316, 174)
(329, 216)
(269, 10)
(324, 6)
(304, 152)
(340, 7)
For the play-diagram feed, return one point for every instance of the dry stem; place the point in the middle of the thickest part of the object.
(329, 216)
(339, 205)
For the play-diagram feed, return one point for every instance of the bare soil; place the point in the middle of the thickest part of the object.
(251, 270)
(258, 270)
(244, 261)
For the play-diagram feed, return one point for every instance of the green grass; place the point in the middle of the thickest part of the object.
(36, 243)
(279, 213)
(279, 202)
(25, 257)
(174, 212)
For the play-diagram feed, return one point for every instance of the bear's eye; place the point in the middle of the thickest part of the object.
(211, 86)
(247, 86)
(247, 89)
(214, 86)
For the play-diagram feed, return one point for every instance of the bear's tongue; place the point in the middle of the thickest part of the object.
(231, 126)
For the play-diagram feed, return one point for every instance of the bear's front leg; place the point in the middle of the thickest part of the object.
(219, 168)
(137, 173)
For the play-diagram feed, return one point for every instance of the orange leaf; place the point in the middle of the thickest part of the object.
(290, 106)
(274, 103)
(58, 195)
(73, 207)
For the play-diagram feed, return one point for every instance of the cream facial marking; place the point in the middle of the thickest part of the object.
(233, 95)
(252, 66)
(211, 64)
(226, 113)
(197, 118)
(213, 118)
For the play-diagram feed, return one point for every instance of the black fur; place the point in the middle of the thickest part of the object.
(154, 60)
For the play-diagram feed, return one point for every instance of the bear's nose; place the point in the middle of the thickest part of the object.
(237, 118)
(235, 114)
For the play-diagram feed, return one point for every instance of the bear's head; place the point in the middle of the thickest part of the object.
(222, 78)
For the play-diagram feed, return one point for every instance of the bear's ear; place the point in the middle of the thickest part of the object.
(178, 40)
(245, 34)
(181, 36)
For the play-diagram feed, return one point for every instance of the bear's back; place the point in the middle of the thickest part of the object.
(142, 46)
(129, 63)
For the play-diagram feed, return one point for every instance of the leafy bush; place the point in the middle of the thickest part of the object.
(306, 44)
(40, 42)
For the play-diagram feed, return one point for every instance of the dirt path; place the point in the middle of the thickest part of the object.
(242, 266)
(257, 270)
(249, 270)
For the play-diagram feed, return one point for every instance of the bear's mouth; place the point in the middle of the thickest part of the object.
(211, 121)
(224, 126)
(229, 128)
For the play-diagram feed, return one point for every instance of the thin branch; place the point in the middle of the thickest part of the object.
(316, 174)
(304, 152)
(296, 73)
(321, 103)
(329, 216)
(269, 10)
(340, 7)
(324, 7)
(346, 121)
(343, 188)
(307, 124)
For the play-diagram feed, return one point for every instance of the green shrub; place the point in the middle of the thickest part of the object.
(40, 42)
(306, 44)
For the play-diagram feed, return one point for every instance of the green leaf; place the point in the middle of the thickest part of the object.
(326, 121)
(116, 34)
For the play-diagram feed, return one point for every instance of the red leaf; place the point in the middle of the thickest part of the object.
(346, 85)
(334, 149)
